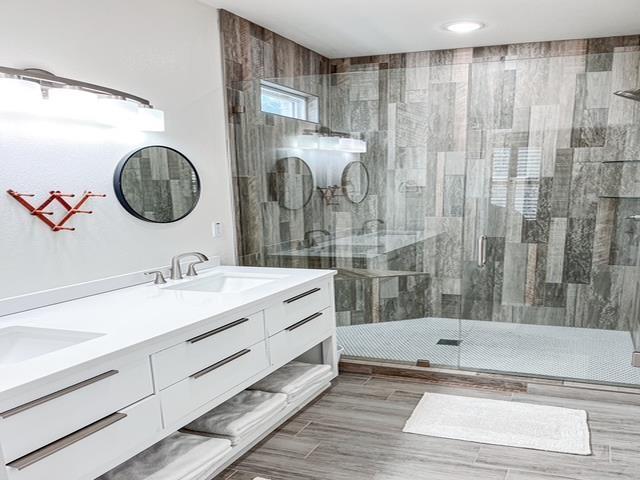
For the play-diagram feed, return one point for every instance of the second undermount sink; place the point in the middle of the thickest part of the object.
(226, 282)
(18, 344)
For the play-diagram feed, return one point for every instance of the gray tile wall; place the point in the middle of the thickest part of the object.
(523, 143)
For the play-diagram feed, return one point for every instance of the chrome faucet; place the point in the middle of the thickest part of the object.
(363, 230)
(176, 270)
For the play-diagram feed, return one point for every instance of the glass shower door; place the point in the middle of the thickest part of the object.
(550, 269)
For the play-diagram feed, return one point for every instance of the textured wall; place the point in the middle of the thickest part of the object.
(525, 144)
(171, 58)
(522, 143)
(251, 53)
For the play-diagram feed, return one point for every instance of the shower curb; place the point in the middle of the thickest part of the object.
(493, 381)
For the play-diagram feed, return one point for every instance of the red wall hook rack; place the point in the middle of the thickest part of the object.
(55, 196)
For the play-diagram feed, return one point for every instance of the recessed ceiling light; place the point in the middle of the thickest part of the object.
(463, 27)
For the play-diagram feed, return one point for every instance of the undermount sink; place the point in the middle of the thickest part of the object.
(226, 282)
(18, 344)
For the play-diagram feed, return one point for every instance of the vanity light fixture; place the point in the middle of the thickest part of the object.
(465, 26)
(117, 112)
(17, 95)
(71, 102)
(39, 92)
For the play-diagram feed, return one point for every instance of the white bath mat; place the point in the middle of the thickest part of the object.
(499, 422)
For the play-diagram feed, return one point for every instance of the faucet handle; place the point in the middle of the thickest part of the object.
(191, 268)
(159, 277)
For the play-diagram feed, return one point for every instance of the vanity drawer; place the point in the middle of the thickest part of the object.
(101, 445)
(71, 406)
(299, 304)
(178, 362)
(300, 336)
(201, 387)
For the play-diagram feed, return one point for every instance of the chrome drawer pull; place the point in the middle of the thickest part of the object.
(303, 321)
(218, 330)
(58, 394)
(302, 295)
(64, 442)
(220, 363)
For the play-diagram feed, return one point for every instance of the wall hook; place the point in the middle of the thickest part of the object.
(55, 196)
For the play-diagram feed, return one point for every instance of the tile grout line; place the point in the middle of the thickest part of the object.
(312, 450)
(302, 429)
(390, 395)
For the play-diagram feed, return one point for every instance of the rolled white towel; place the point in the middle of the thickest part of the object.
(178, 457)
(239, 415)
(293, 378)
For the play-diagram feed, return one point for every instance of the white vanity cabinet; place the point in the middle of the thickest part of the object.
(296, 322)
(95, 448)
(298, 304)
(180, 401)
(300, 336)
(82, 425)
(70, 405)
(207, 348)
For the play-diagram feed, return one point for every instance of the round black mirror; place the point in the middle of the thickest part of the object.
(157, 184)
(355, 182)
(293, 182)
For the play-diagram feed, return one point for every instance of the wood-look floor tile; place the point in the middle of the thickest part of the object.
(375, 391)
(228, 473)
(371, 415)
(236, 475)
(293, 426)
(288, 446)
(392, 447)
(520, 475)
(598, 395)
(437, 471)
(354, 432)
(352, 379)
(444, 389)
(317, 466)
(592, 467)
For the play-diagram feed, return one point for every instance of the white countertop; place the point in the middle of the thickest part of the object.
(135, 317)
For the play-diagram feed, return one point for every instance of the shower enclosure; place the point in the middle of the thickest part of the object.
(482, 214)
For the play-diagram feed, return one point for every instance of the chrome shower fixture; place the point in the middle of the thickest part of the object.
(630, 94)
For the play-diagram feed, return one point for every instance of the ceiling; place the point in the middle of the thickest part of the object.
(346, 28)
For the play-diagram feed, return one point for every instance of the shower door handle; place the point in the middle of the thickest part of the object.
(482, 250)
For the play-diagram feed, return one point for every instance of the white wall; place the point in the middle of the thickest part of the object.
(164, 50)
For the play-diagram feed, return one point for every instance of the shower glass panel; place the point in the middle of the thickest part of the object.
(481, 214)
(550, 267)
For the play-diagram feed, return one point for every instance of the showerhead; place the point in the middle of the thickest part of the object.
(630, 94)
